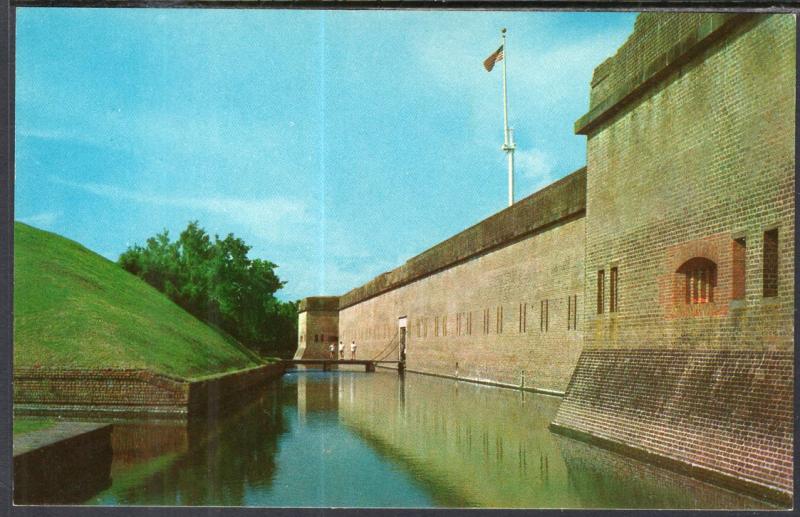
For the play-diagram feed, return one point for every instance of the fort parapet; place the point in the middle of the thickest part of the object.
(564, 199)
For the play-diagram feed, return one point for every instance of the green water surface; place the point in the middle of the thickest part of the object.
(354, 439)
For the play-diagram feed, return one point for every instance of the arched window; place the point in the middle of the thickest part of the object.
(700, 280)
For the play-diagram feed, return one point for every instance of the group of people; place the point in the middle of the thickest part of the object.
(332, 350)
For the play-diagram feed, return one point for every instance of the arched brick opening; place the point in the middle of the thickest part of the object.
(697, 280)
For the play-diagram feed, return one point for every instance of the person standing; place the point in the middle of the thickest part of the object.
(341, 350)
(332, 350)
(353, 350)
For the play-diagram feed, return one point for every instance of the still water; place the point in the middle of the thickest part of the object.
(377, 440)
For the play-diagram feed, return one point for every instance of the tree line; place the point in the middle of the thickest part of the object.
(216, 282)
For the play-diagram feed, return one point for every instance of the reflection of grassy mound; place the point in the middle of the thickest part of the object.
(76, 309)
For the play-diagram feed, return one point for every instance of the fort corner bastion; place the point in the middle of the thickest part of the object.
(652, 289)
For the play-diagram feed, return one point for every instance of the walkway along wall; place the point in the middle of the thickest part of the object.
(690, 249)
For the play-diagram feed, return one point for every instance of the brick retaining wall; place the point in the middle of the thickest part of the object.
(725, 412)
(40, 390)
(97, 387)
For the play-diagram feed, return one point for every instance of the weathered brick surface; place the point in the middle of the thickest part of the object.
(453, 315)
(707, 157)
(204, 394)
(725, 410)
(97, 387)
(318, 327)
(76, 389)
(702, 157)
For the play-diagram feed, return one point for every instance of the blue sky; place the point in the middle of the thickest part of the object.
(337, 143)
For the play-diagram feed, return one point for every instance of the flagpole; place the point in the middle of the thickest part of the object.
(508, 139)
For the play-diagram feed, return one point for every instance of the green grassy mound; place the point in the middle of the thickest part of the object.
(76, 309)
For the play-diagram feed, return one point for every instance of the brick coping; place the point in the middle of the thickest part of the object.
(38, 371)
(122, 411)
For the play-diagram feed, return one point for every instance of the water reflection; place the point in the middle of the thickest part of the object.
(210, 461)
(492, 448)
(356, 439)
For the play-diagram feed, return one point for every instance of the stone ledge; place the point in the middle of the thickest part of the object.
(46, 437)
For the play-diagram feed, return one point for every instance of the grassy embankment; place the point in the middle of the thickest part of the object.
(76, 309)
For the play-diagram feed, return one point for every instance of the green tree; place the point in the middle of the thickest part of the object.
(217, 282)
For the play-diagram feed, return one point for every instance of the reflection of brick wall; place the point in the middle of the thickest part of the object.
(137, 443)
(726, 411)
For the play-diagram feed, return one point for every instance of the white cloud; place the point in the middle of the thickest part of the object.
(277, 219)
(535, 163)
(41, 220)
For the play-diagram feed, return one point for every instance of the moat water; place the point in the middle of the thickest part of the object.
(351, 439)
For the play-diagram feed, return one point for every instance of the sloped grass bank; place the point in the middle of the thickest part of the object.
(75, 309)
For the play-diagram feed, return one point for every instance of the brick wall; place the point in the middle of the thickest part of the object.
(698, 165)
(728, 412)
(318, 327)
(97, 387)
(496, 314)
(556, 202)
(705, 158)
(689, 182)
(131, 390)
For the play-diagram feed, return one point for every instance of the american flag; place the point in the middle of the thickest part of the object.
(496, 56)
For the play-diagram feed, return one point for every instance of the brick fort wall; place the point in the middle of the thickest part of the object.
(496, 303)
(690, 208)
(318, 327)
